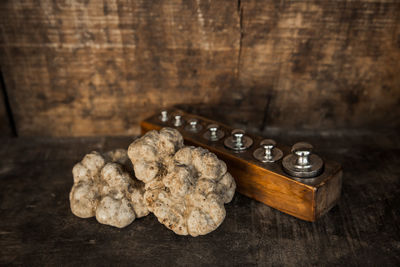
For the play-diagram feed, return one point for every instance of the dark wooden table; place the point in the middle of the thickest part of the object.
(38, 228)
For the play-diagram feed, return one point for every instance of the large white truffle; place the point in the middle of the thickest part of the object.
(186, 187)
(104, 188)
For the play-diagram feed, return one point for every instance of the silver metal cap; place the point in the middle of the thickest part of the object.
(267, 152)
(193, 125)
(214, 133)
(238, 141)
(178, 121)
(302, 163)
(164, 116)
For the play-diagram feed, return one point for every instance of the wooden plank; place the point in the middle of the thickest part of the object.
(99, 67)
(320, 64)
(37, 227)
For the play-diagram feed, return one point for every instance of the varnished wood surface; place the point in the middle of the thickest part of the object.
(37, 227)
(94, 67)
(307, 199)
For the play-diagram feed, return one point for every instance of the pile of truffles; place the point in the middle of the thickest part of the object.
(185, 187)
(104, 188)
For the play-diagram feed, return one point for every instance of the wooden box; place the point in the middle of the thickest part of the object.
(307, 199)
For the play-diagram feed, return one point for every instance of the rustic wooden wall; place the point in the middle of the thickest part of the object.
(98, 67)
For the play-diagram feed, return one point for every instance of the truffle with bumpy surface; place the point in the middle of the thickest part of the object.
(186, 187)
(104, 188)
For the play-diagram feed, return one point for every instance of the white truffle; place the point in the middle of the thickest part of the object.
(186, 187)
(104, 188)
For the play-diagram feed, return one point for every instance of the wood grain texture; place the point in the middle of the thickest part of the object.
(37, 227)
(326, 64)
(98, 67)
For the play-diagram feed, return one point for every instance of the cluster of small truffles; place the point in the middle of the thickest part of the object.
(104, 188)
(184, 187)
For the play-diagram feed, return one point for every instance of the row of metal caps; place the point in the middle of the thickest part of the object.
(301, 163)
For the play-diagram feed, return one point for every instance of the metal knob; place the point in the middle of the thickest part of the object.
(214, 133)
(164, 116)
(267, 152)
(193, 126)
(238, 141)
(303, 152)
(178, 120)
(238, 136)
(302, 163)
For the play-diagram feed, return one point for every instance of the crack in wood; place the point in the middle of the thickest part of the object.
(7, 106)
